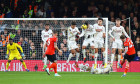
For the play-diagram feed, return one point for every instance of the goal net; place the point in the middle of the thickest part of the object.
(27, 33)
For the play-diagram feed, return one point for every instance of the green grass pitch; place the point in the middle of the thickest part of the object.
(67, 78)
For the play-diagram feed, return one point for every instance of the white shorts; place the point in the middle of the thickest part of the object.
(117, 44)
(88, 41)
(72, 45)
(98, 44)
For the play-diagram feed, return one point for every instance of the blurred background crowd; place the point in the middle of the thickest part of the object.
(28, 33)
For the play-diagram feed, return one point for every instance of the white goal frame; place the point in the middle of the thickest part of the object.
(106, 25)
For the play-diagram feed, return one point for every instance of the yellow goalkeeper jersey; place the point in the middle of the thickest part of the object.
(13, 48)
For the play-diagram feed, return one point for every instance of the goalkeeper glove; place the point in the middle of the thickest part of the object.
(6, 56)
(22, 54)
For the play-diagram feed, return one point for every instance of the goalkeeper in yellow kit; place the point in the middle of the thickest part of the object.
(14, 53)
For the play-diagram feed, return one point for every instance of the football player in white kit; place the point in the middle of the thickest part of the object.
(89, 34)
(100, 70)
(117, 31)
(99, 41)
(72, 45)
(45, 34)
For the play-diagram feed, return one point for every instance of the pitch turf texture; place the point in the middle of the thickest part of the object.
(67, 78)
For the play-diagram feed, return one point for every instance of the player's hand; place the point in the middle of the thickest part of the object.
(43, 56)
(22, 54)
(103, 35)
(113, 39)
(60, 51)
(6, 56)
(77, 36)
(76, 39)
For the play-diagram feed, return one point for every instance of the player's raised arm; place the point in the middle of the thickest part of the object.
(124, 32)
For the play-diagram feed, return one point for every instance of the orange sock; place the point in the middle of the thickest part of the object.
(54, 66)
(126, 69)
(51, 66)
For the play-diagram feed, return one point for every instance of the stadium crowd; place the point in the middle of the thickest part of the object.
(28, 34)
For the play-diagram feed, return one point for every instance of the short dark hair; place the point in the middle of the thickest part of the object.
(118, 19)
(10, 39)
(100, 18)
(54, 31)
(47, 24)
(122, 37)
(86, 23)
(73, 23)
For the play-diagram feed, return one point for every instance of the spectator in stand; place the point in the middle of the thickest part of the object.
(3, 44)
(137, 28)
(25, 15)
(36, 30)
(34, 38)
(41, 26)
(41, 13)
(137, 44)
(33, 52)
(134, 35)
(24, 45)
(49, 12)
(18, 35)
(65, 53)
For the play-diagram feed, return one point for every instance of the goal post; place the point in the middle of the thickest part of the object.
(28, 26)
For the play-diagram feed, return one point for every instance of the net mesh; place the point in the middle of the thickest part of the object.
(27, 33)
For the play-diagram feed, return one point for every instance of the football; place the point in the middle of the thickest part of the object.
(84, 26)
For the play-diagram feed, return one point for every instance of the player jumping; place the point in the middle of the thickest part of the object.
(129, 53)
(51, 44)
(117, 43)
(88, 33)
(99, 41)
(14, 53)
(45, 34)
(72, 45)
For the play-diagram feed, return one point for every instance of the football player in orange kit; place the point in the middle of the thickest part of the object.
(129, 53)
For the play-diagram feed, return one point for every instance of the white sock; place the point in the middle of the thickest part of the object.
(112, 58)
(84, 53)
(119, 58)
(105, 57)
(77, 56)
(45, 60)
(70, 55)
(95, 58)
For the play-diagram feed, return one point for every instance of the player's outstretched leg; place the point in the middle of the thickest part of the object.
(21, 60)
(54, 66)
(7, 65)
(126, 69)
